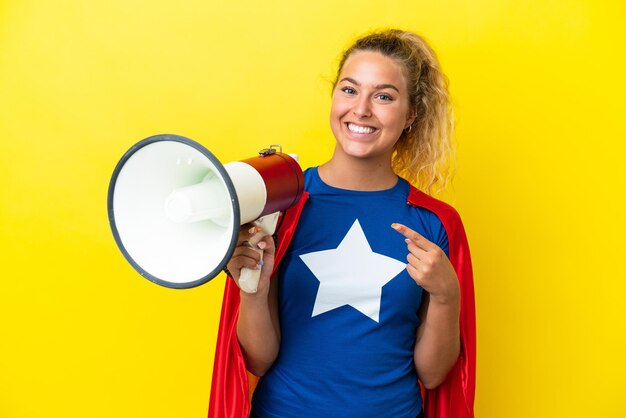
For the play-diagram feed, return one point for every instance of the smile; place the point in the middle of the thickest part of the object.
(357, 129)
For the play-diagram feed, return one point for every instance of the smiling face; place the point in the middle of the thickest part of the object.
(370, 106)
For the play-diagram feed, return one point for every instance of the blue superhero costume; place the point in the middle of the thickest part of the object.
(350, 327)
(348, 308)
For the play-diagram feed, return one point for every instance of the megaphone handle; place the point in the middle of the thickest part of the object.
(249, 279)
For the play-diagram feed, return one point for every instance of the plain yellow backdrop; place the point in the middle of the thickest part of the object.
(538, 89)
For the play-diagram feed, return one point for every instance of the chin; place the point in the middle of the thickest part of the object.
(358, 151)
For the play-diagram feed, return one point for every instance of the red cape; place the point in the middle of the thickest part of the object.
(232, 385)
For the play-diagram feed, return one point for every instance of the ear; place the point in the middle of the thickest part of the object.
(410, 118)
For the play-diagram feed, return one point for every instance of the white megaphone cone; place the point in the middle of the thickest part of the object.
(175, 210)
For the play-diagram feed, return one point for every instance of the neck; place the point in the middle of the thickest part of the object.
(358, 174)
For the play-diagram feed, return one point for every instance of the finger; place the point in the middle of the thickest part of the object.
(418, 252)
(414, 236)
(267, 266)
(245, 251)
(421, 266)
(264, 279)
(236, 264)
(415, 274)
(414, 261)
(267, 245)
(246, 232)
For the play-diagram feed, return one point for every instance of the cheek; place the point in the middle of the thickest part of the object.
(395, 118)
(338, 110)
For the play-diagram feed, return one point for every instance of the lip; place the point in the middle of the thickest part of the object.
(360, 135)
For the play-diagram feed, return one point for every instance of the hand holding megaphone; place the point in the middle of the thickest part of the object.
(249, 278)
(175, 210)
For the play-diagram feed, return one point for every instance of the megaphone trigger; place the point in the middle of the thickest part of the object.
(249, 278)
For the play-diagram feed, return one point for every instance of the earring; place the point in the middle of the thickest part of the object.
(408, 130)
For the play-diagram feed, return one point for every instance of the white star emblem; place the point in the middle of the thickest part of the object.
(352, 274)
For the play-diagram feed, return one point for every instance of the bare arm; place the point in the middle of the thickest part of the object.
(258, 328)
(437, 343)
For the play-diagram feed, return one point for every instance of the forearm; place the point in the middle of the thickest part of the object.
(258, 333)
(438, 342)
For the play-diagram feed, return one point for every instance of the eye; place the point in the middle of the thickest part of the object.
(384, 97)
(348, 90)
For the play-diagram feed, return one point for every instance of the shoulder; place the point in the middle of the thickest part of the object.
(310, 176)
(447, 214)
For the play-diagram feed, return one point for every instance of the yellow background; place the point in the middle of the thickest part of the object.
(539, 92)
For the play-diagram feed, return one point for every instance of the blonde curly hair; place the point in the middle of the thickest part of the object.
(424, 153)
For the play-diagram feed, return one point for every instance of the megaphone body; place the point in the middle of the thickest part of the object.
(175, 210)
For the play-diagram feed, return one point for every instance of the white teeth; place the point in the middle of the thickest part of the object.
(360, 129)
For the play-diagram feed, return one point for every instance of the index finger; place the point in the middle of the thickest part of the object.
(414, 236)
(246, 232)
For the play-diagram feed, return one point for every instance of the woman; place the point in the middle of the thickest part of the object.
(367, 301)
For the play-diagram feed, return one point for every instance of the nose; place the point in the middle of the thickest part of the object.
(362, 108)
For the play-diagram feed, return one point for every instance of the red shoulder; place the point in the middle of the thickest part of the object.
(445, 212)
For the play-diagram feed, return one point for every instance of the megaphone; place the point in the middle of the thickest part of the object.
(175, 211)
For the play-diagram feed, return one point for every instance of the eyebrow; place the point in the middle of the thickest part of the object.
(378, 86)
